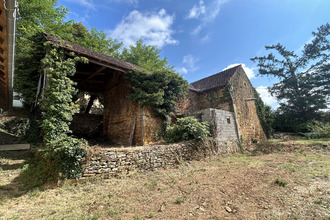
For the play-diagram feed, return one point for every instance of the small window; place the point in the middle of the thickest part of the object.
(245, 84)
(228, 120)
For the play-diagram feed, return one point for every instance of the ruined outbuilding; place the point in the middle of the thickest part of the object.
(124, 122)
(227, 101)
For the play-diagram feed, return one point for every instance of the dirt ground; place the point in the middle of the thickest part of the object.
(283, 180)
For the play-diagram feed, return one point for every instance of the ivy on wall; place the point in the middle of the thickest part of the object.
(215, 98)
(58, 108)
(160, 89)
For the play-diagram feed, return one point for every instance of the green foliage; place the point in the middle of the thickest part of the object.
(17, 126)
(39, 16)
(188, 128)
(32, 134)
(28, 67)
(215, 99)
(160, 89)
(304, 80)
(281, 183)
(179, 200)
(323, 128)
(265, 114)
(92, 39)
(39, 169)
(145, 56)
(58, 110)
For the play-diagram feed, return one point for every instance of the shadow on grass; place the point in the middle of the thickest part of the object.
(21, 172)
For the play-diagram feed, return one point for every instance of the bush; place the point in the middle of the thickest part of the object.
(188, 128)
(323, 128)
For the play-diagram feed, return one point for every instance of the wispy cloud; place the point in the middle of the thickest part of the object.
(132, 2)
(206, 13)
(86, 3)
(197, 10)
(92, 4)
(266, 96)
(188, 64)
(249, 71)
(153, 28)
(213, 10)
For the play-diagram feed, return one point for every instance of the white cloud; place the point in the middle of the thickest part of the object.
(91, 4)
(206, 13)
(132, 2)
(87, 3)
(188, 64)
(249, 71)
(197, 11)
(197, 30)
(213, 10)
(153, 28)
(265, 95)
(205, 38)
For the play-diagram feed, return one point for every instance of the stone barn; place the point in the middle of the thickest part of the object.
(124, 122)
(227, 101)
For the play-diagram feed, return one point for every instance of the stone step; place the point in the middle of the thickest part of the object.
(9, 147)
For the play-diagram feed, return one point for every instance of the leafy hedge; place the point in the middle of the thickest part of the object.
(188, 128)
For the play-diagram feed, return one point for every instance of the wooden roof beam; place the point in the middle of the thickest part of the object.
(92, 75)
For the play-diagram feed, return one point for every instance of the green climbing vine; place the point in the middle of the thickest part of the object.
(58, 108)
(160, 90)
(216, 98)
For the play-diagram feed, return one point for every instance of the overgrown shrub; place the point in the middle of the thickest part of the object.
(58, 108)
(188, 128)
(323, 128)
(160, 89)
(17, 126)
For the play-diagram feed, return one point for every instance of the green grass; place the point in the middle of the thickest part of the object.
(314, 141)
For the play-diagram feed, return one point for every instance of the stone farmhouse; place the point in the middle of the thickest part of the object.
(225, 99)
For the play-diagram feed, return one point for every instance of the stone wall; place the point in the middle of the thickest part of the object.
(243, 98)
(126, 161)
(219, 99)
(222, 123)
(122, 117)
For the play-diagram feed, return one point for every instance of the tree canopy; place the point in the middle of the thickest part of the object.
(40, 16)
(145, 56)
(304, 78)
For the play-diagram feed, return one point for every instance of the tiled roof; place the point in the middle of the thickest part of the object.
(90, 53)
(215, 81)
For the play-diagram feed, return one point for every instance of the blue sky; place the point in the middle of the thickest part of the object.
(202, 37)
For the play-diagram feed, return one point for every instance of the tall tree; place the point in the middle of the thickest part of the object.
(93, 39)
(34, 17)
(304, 79)
(45, 16)
(145, 56)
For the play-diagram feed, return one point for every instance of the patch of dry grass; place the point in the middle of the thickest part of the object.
(231, 187)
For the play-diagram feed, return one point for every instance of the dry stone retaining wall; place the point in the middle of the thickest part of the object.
(125, 161)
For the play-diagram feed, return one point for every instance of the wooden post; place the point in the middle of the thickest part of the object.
(130, 141)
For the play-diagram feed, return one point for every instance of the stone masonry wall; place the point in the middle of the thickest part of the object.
(122, 117)
(244, 104)
(222, 123)
(126, 161)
